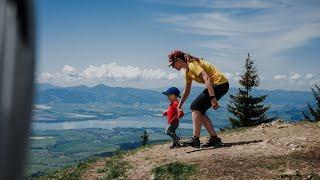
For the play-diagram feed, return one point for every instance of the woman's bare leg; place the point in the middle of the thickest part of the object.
(206, 121)
(196, 120)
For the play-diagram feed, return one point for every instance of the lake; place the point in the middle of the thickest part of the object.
(134, 122)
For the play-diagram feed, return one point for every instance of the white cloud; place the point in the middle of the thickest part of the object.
(45, 77)
(68, 69)
(228, 75)
(314, 82)
(105, 73)
(234, 77)
(297, 81)
(291, 81)
(113, 71)
(172, 76)
(309, 76)
(295, 76)
(268, 28)
(280, 77)
(237, 78)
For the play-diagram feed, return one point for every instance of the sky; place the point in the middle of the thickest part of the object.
(126, 42)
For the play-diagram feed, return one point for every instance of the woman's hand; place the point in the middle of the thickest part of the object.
(180, 114)
(207, 80)
(215, 103)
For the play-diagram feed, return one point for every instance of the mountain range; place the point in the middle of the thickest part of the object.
(48, 93)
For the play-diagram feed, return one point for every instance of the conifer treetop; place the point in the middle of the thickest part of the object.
(250, 78)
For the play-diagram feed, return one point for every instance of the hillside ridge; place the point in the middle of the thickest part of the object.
(268, 151)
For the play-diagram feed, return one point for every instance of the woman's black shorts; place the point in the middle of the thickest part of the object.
(203, 102)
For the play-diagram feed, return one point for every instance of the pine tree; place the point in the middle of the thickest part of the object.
(314, 112)
(246, 109)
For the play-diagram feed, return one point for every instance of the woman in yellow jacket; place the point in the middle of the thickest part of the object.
(217, 85)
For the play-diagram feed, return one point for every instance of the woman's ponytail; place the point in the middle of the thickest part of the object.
(188, 58)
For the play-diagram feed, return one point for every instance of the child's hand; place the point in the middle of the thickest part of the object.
(180, 114)
(164, 113)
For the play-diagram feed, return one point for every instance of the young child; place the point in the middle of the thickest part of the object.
(172, 114)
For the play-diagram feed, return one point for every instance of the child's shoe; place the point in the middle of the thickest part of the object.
(174, 144)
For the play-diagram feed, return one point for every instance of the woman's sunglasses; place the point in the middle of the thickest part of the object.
(175, 60)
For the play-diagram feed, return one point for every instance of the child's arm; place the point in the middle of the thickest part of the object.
(174, 117)
(178, 116)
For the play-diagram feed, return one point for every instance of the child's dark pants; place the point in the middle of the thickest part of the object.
(171, 131)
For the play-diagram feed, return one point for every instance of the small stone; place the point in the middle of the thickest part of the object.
(290, 173)
(301, 138)
(278, 121)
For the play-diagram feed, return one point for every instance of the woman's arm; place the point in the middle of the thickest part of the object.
(209, 86)
(185, 94)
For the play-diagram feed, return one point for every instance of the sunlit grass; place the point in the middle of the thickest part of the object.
(174, 170)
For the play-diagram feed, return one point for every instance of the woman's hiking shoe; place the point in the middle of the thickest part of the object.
(192, 141)
(213, 141)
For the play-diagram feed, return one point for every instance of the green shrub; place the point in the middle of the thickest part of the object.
(73, 173)
(115, 167)
(174, 170)
(315, 112)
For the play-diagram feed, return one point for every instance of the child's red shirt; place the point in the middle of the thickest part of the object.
(172, 113)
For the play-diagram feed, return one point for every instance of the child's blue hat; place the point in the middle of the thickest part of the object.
(173, 90)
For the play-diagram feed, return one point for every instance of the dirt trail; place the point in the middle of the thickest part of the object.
(267, 151)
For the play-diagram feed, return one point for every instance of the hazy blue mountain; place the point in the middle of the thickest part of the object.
(289, 98)
(100, 94)
(275, 97)
(47, 93)
(45, 86)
